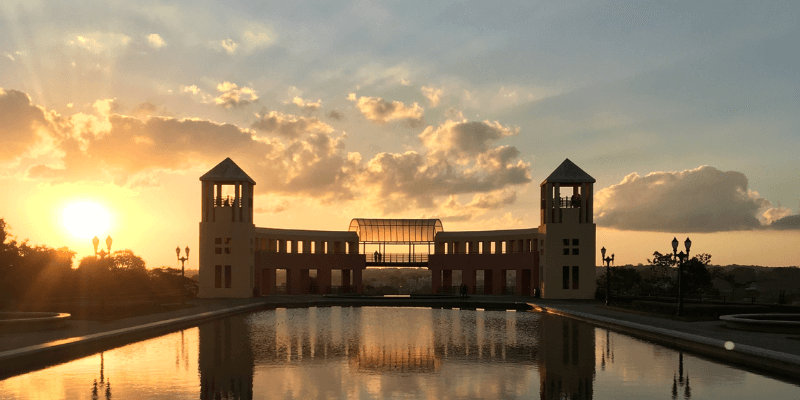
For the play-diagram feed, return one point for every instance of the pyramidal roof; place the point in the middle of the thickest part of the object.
(568, 172)
(227, 170)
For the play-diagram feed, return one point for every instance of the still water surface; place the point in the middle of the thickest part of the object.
(381, 353)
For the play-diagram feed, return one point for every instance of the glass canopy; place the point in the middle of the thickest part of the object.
(396, 230)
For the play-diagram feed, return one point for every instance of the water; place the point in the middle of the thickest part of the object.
(379, 353)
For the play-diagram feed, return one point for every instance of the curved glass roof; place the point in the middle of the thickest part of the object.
(395, 230)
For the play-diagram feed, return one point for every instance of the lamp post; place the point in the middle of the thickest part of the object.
(96, 242)
(183, 277)
(680, 256)
(608, 261)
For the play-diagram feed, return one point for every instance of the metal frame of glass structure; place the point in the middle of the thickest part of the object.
(396, 231)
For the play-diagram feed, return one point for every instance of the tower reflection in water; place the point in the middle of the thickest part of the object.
(380, 352)
(226, 360)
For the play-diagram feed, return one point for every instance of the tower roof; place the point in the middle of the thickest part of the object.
(227, 170)
(568, 172)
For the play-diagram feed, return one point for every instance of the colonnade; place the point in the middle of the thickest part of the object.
(493, 252)
(299, 253)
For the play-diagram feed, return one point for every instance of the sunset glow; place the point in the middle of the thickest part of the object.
(686, 118)
(85, 220)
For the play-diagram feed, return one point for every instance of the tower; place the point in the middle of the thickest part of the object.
(568, 267)
(226, 232)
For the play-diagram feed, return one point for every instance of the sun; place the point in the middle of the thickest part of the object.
(85, 219)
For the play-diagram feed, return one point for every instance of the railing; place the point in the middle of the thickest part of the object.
(570, 202)
(228, 201)
(671, 296)
(398, 258)
(508, 290)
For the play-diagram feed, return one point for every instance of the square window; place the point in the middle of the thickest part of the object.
(574, 242)
(574, 251)
(227, 240)
(218, 250)
(227, 250)
(566, 251)
(217, 240)
(566, 242)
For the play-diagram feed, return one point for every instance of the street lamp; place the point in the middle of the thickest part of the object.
(608, 261)
(183, 277)
(96, 242)
(680, 256)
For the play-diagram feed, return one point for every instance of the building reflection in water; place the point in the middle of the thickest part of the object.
(567, 359)
(392, 353)
(226, 360)
(321, 352)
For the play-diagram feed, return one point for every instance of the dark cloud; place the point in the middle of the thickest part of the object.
(333, 114)
(791, 222)
(699, 200)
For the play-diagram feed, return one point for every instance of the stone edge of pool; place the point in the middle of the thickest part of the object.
(743, 355)
(26, 359)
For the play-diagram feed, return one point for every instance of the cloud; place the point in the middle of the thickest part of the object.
(155, 41)
(306, 105)
(289, 126)
(257, 37)
(333, 114)
(466, 140)
(131, 151)
(452, 113)
(227, 45)
(22, 124)
(452, 210)
(774, 214)
(190, 89)
(100, 42)
(704, 199)
(232, 95)
(433, 95)
(461, 158)
(787, 222)
(288, 155)
(381, 111)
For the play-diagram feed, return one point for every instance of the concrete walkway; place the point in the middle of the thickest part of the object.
(777, 353)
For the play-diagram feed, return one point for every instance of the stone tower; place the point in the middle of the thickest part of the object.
(226, 232)
(567, 266)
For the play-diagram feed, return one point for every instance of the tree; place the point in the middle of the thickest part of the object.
(662, 274)
(30, 272)
(737, 278)
(698, 280)
(623, 280)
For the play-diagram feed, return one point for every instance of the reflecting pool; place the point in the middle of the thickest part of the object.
(380, 353)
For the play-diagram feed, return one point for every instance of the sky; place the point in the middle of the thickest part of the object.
(685, 113)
